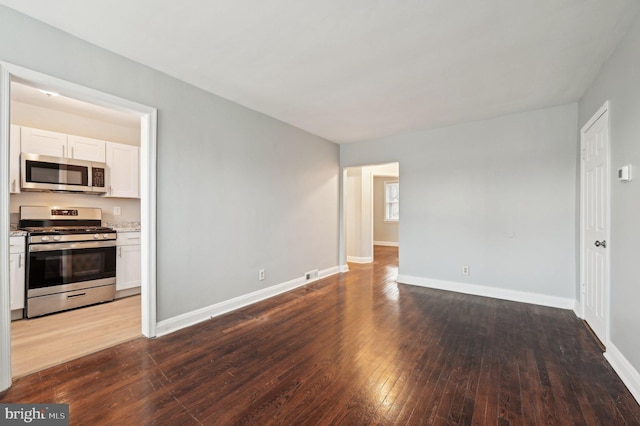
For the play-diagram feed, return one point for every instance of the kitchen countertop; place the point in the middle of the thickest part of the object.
(119, 227)
(124, 226)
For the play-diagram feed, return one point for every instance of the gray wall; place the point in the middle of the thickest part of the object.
(267, 191)
(619, 82)
(498, 195)
(382, 231)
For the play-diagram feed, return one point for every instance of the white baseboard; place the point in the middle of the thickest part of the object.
(355, 259)
(344, 268)
(190, 318)
(629, 375)
(486, 291)
(326, 273)
(577, 308)
(386, 243)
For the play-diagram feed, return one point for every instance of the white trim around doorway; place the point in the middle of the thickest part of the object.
(148, 144)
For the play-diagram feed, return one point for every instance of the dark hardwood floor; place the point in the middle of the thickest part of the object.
(353, 349)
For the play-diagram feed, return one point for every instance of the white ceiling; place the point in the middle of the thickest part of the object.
(353, 70)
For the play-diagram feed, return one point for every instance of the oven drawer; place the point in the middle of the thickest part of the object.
(43, 305)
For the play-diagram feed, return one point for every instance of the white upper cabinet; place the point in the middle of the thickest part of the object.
(123, 162)
(14, 159)
(43, 142)
(82, 148)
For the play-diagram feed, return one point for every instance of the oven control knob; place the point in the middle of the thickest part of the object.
(96, 236)
(45, 238)
(56, 238)
(105, 236)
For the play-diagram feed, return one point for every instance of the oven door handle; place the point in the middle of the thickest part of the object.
(70, 246)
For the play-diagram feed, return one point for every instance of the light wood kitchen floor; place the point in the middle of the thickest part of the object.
(43, 342)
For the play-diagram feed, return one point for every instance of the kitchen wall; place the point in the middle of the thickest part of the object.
(497, 195)
(618, 82)
(383, 232)
(237, 191)
(24, 114)
(129, 207)
(29, 115)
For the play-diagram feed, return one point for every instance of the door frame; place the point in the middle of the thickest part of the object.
(148, 167)
(603, 110)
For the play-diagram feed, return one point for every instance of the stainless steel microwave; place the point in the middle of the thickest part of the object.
(45, 173)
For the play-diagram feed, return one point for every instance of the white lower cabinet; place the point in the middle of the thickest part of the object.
(16, 271)
(128, 269)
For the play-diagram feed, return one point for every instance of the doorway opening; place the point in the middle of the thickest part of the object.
(371, 210)
(67, 108)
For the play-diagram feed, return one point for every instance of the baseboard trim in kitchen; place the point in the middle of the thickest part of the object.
(487, 291)
(357, 259)
(185, 320)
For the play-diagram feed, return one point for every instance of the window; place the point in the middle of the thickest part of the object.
(391, 201)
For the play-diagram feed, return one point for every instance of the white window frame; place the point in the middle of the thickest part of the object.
(387, 203)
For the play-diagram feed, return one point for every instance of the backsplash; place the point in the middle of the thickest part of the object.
(129, 207)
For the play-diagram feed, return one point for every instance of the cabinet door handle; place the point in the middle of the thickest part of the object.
(13, 185)
(72, 152)
(20, 261)
(64, 151)
(119, 251)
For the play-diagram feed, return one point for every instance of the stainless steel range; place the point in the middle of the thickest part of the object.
(71, 258)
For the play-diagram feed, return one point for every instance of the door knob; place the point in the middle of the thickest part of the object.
(602, 243)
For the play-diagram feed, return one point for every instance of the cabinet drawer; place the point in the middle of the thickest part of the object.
(128, 238)
(16, 244)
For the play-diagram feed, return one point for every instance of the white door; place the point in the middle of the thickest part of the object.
(595, 222)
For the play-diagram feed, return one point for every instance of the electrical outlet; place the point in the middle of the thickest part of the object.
(465, 269)
(261, 275)
(311, 274)
(117, 211)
